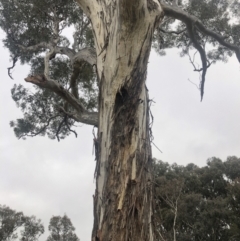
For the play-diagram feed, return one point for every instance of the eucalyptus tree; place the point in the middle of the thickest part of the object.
(16, 226)
(99, 80)
(61, 229)
(193, 203)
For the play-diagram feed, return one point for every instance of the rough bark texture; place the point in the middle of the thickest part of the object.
(123, 200)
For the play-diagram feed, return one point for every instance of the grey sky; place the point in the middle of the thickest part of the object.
(42, 177)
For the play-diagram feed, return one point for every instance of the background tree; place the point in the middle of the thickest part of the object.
(61, 229)
(206, 198)
(123, 34)
(16, 226)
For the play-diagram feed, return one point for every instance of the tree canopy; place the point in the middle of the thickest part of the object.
(198, 203)
(97, 77)
(61, 229)
(35, 36)
(190, 203)
(55, 39)
(17, 226)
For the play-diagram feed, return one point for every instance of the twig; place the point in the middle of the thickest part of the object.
(42, 129)
(15, 59)
(156, 146)
(66, 123)
(59, 127)
(193, 83)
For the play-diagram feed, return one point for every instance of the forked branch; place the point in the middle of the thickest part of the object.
(81, 115)
(193, 25)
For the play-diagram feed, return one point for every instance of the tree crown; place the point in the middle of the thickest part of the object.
(55, 38)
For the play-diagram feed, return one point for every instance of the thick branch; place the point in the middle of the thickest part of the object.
(90, 118)
(82, 114)
(65, 51)
(87, 55)
(42, 45)
(219, 38)
(47, 58)
(84, 55)
(183, 16)
(73, 81)
(202, 53)
(172, 32)
(193, 24)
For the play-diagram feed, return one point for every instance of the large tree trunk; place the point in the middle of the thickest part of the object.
(123, 33)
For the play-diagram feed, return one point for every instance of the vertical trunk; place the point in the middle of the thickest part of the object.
(123, 199)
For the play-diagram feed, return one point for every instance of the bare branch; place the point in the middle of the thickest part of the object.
(65, 51)
(197, 45)
(73, 81)
(172, 32)
(89, 118)
(193, 83)
(15, 59)
(221, 39)
(88, 55)
(81, 115)
(183, 16)
(193, 24)
(66, 123)
(85, 55)
(156, 146)
(36, 47)
(192, 61)
(46, 62)
(43, 82)
(59, 128)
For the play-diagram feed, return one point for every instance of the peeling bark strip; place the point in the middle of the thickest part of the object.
(123, 199)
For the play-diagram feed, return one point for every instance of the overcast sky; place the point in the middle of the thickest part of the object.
(42, 177)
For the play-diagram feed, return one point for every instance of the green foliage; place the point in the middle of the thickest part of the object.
(61, 229)
(31, 26)
(206, 199)
(215, 16)
(16, 226)
(27, 24)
